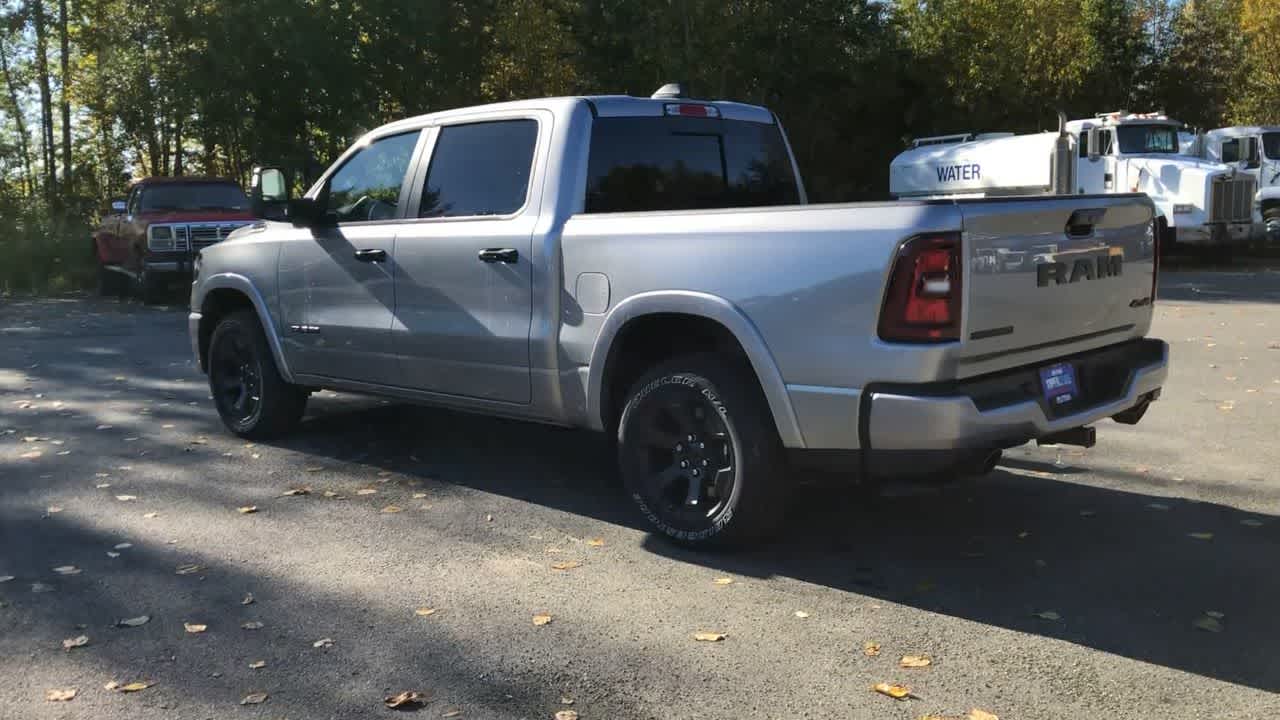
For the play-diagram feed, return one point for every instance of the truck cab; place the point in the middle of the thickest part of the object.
(1255, 151)
(1199, 201)
(149, 239)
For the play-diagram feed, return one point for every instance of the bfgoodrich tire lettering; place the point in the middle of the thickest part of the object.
(699, 453)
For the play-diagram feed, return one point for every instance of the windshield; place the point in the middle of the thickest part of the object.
(193, 196)
(1271, 145)
(1147, 139)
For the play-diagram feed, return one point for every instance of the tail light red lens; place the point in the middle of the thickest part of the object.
(922, 304)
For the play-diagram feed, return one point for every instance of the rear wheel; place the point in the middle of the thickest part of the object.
(251, 397)
(699, 454)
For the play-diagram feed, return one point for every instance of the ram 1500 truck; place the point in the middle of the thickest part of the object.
(149, 239)
(649, 268)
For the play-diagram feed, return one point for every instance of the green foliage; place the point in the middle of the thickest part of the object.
(218, 86)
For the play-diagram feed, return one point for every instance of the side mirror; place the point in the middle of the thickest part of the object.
(269, 193)
(118, 206)
(1095, 144)
(311, 212)
(1252, 157)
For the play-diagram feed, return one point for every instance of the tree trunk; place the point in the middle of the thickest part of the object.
(28, 180)
(177, 145)
(66, 103)
(48, 152)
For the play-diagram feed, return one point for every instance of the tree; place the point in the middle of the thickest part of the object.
(1203, 71)
(47, 149)
(65, 58)
(1259, 103)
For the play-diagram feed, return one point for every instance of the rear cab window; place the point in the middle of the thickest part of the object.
(687, 163)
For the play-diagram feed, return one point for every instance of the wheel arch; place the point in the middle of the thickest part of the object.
(225, 293)
(642, 330)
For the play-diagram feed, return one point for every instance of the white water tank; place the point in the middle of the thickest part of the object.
(987, 165)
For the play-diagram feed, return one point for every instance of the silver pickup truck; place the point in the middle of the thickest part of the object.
(649, 268)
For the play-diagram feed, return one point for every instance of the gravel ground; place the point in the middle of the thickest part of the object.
(1038, 592)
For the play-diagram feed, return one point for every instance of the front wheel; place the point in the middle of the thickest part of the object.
(1271, 219)
(699, 453)
(252, 399)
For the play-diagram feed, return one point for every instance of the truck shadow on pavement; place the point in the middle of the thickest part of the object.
(1125, 572)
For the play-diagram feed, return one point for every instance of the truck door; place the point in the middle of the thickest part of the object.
(464, 269)
(336, 283)
(1089, 173)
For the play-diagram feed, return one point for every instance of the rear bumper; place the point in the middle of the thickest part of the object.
(1005, 409)
(1215, 234)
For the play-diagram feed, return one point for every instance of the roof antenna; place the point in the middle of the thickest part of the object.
(669, 91)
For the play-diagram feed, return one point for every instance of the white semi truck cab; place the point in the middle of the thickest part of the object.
(1198, 201)
(1255, 151)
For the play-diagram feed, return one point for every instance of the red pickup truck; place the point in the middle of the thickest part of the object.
(149, 240)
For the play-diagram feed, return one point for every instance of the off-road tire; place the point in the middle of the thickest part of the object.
(238, 340)
(756, 504)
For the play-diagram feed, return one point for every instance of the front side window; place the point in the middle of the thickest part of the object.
(480, 169)
(1231, 150)
(367, 186)
(678, 163)
(1138, 139)
(1271, 145)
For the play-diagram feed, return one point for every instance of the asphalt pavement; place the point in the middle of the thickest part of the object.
(1138, 579)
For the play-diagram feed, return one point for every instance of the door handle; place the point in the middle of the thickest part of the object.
(492, 255)
(371, 255)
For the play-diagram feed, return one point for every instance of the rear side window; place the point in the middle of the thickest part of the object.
(480, 169)
(680, 163)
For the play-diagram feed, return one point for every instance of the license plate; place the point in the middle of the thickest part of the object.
(1059, 383)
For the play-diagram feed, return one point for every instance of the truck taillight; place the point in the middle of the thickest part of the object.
(922, 304)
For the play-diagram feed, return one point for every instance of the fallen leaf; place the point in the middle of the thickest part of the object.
(255, 456)
(122, 546)
(31, 455)
(704, 636)
(1208, 624)
(567, 715)
(540, 620)
(111, 685)
(1024, 535)
(39, 587)
(313, 468)
(126, 498)
(134, 622)
(1048, 615)
(488, 518)
(59, 694)
(257, 664)
(451, 713)
(252, 625)
(247, 599)
(897, 692)
(723, 581)
(915, 661)
(67, 570)
(1251, 522)
(802, 614)
(566, 700)
(151, 515)
(53, 509)
(323, 643)
(296, 491)
(247, 509)
(405, 699)
(136, 686)
(254, 698)
(366, 491)
(1157, 506)
(596, 542)
(871, 649)
(112, 554)
(1201, 535)
(419, 496)
(6, 578)
(392, 509)
(195, 628)
(188, 569)
(75, 642)
(565, 565)
(332, 494)
(1215, 614)
(424, 611)
(976, 714)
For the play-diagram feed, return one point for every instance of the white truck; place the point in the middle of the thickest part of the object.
(1198, 201)
(1255, 151)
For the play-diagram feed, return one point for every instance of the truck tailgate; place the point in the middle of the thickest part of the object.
(1051, 276)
